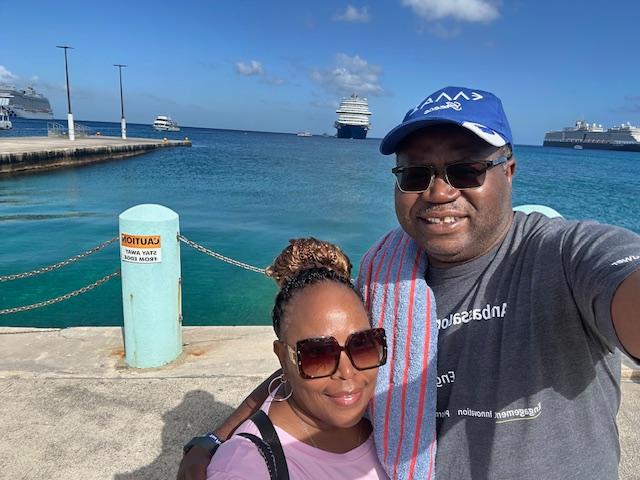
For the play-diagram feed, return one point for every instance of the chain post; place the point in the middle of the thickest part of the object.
(150, 262)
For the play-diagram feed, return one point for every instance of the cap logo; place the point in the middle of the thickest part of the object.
(450, 101)
(453, 105)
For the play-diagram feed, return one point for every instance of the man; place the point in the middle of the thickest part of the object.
(532, 312)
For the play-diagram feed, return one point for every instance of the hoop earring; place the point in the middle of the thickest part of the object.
(273, 391)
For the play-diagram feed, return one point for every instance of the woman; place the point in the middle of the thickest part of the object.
(330, 357)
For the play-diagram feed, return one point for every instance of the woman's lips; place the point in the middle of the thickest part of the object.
(346, 399)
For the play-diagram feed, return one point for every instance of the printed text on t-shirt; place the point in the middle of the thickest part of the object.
(487, 313)
(624, 260)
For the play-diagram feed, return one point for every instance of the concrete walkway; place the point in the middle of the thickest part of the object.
(33, 154)
(10, 145)
(71, 409)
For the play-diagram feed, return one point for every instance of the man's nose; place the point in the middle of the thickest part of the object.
(440, 191)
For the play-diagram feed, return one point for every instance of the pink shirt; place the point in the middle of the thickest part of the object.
(239, 459)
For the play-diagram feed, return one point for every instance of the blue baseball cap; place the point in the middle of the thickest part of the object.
(476, 110)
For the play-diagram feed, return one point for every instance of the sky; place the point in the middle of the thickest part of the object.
(283, 66)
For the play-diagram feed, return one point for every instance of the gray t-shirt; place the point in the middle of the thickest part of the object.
(528, 368)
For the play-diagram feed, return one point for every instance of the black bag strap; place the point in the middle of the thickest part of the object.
(270, 436)
(265, 451)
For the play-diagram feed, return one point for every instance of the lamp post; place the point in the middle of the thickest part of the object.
(123, 123)
(72, 133)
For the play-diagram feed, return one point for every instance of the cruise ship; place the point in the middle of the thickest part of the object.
(26, 103)
(353, 118)
(625, 137)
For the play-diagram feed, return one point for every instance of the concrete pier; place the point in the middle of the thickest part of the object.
(33, 154)
(72, 409)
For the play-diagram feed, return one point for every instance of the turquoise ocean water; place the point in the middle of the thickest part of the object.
(245, 194)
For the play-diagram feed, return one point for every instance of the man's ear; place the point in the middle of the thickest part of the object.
(510, 169)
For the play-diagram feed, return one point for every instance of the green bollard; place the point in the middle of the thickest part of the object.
(151, 290)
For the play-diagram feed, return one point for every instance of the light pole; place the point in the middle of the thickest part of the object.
(123, 123)
(72, 133)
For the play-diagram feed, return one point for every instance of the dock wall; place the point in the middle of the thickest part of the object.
(34, 154)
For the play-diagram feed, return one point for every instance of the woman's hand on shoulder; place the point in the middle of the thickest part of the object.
(194, 464)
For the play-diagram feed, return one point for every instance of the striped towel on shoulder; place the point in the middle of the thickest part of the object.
(397, 297)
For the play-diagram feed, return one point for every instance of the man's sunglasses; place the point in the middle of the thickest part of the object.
(319, 357)
(459, 175)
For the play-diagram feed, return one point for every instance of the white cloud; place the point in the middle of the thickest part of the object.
(349, 75)
(251, 68)
(464, 10)
(353, 14)
(254, 68)
(6, 75)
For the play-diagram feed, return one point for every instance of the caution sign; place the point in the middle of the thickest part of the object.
(140, 248)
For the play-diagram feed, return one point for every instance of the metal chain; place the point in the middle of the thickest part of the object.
(213, 254)
(16, 276)
(61, 298)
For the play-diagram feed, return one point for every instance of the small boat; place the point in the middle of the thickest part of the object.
(304, 134)
(162, 123)
(5, 123)
(578, 147)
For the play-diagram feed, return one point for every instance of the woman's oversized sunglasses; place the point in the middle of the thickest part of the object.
(459, 175)
(319, 357)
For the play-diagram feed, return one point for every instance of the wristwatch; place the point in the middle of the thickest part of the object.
(209, 442)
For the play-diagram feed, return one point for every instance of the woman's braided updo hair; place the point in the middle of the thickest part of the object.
(305, 262)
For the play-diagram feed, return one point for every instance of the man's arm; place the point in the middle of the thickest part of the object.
(625, 312)
(194, 463)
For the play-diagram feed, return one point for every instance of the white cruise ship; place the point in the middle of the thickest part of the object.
(26, 103)
(162, 123)
(353, 118)
(585, 135)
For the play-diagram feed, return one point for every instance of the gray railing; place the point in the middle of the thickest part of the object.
(55, 129)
